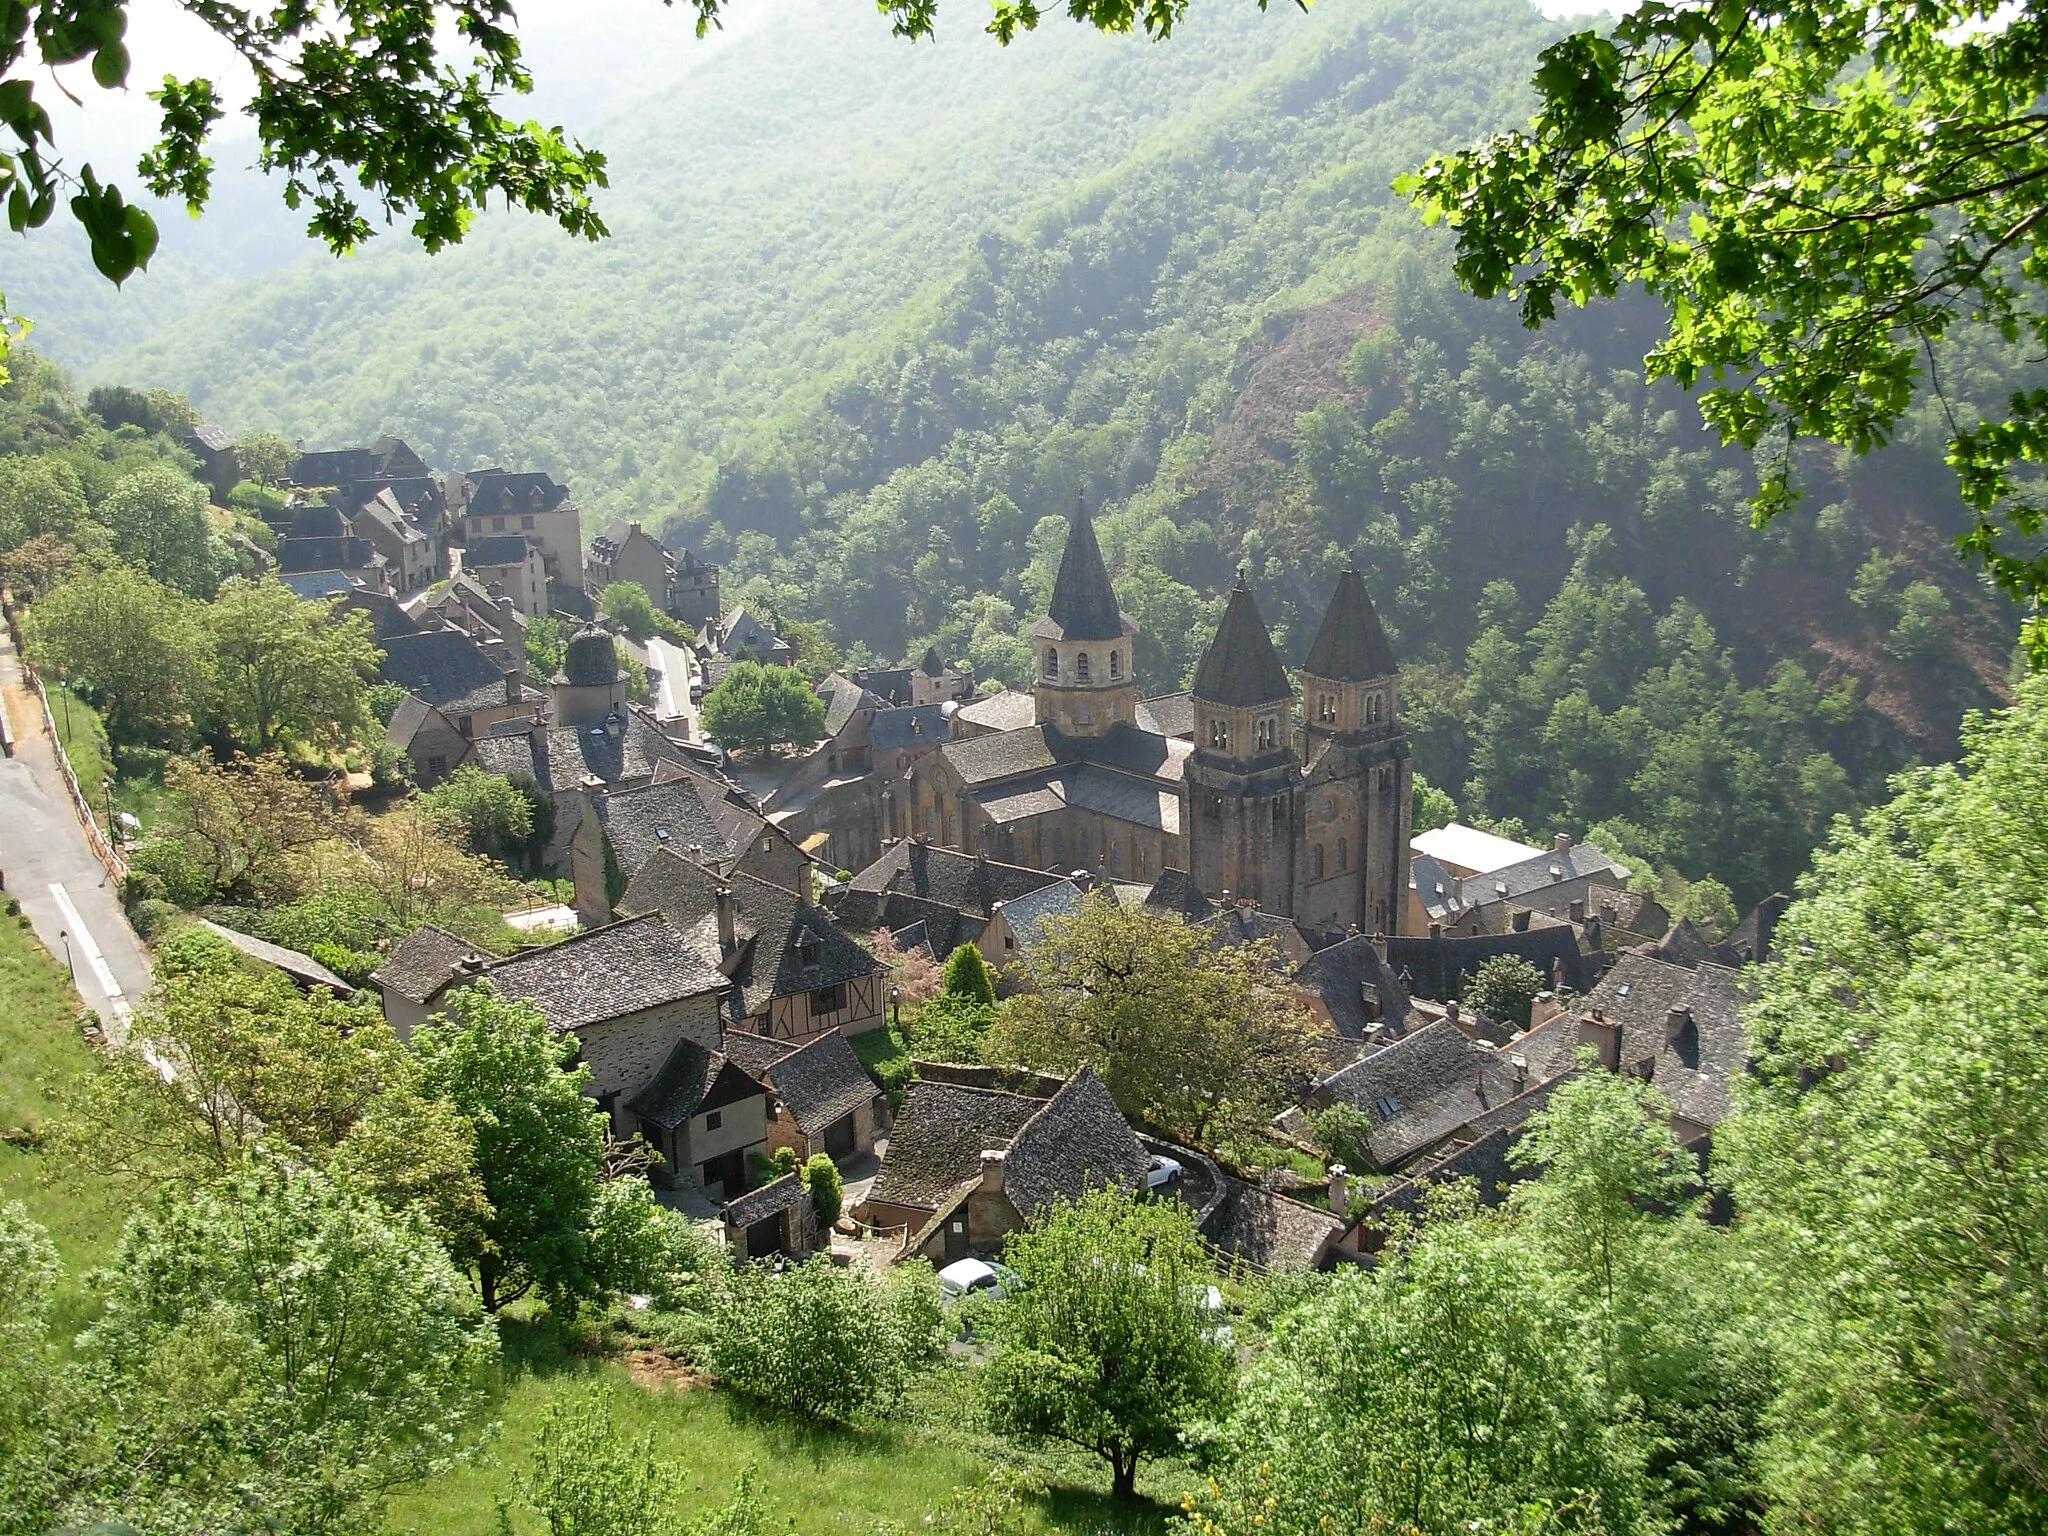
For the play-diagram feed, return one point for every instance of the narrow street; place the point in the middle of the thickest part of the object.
(50, 869)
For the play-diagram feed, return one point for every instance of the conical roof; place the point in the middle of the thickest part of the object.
(1350, 647)
(1240, 667)
(1083, 602)
(589, 660)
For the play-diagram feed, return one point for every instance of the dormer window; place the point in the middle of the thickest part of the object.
(1081, 667)
(1116, 665)
(1052, 662)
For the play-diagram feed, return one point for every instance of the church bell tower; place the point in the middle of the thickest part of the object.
(1083, 644)
(1243, 779)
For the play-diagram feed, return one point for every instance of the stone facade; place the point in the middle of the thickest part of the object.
(624, 1053)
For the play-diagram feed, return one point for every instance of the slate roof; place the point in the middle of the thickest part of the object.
(500, 493)
(1083, 605)
(844, 698)
(1134, 751)
(1239, 924)
(1171, 714)
(324, 554)
(422, 963)
(1027, 914)
(606, 973)
(642, 821)
(1175, 891)
(1439, 968)
(821, 1083)
(755, 1055)
(691, 1081)
(893, 729)
(1420, 1088)
(1339, 974)
(1078, 1138)
(445, 667)
(965, 881)
(318, 520)
(302, 968)
(1239, 668)
(561, 755)
(1479, 1152)
(1269, 1231)
(940, 1133)
(499, 549)
(1004, 755)
(1752, 936)
(775, 1198)
(1141, 802)
(1545, 869)
(1687, 944)
(314, 585)
(331, 466)
(1350, 646)
(1434, 886)
(1005, 711)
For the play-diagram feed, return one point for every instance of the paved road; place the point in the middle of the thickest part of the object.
(49, 868)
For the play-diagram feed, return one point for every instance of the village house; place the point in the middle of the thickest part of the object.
(741, 636)
(820, 1097)
(687, 813)
(776, 1218)
(706, 1116)
(931, 681)
(795, 974)
(417, 970)
(495, 501)
(412, 556)
(513, 564)
(679, 585)
(952, 896)
(1418, 1090)
(219, 466)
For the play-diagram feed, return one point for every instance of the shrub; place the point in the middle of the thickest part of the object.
(821, 1177)
(149, 917)
(1504, 990)
(967, 976)
(351, 965)
(163, 869)
(951, 1027)
(1341, 1130)
(336, 919)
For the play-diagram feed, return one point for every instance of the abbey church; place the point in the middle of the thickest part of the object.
(1310, 821)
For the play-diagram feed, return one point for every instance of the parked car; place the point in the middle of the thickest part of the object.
(1162, 1174)
(973, 1277)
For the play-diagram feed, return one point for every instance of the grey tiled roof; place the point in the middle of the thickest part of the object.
(1171, 714)
(1546, 869)
(1752, 936)
(939, 1136)
(1239, 667)
(844, 699)
(445, 667)
(1240, 924)
(774, 1198)
(324, 554)
(1005, 755)
(318, 584)
(640, 822)
(1267, 1230)
(1420, 1088)
(1350, 646)
(1083, 605)
(1438, 968)
(560, 756)
(1143, 803)
(1339, 975)
(918, 726)
(422, 963)
(1027, 914)
(1005, 711)
(318, 520)
(1480, 1152)
(1175, 891)
(500, 549)
(501, 493)
(753, 1054)
(301, 968)
(821, 1083)
(692, 1081)
(606, 973)
(1077, 1140)
(960, 880)
(1014, 802)
(1687, 945)
(1134, 751)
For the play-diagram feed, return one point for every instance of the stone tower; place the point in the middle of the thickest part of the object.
(1353, 864)
(1083, 644)
(590, 686)
(1244, 778)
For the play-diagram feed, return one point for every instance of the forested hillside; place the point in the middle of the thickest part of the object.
(874, 317)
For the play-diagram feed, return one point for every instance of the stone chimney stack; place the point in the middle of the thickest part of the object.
(1561, 843)
(728, 935)
(1578, 910)
(992, 1171)
(1379, 946)
(1339, 1188)
(1675, 1020)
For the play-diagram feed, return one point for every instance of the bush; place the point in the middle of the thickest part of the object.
(149, 917)
(822, 1342)
(351, 965)
(163, 869)
(821, 1177)
(951, 1027)
(967, 976)
(1341, 1130)
(342, 919)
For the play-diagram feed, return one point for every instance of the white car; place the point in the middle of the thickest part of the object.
(1163, 1173)
(973, 1277)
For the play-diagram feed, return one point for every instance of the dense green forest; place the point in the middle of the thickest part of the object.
(875, 317)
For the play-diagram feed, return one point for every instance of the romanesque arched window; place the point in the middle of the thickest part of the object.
(1266, 732)
(1372, 710)
(1315, 862)
(1219, 734)
(1052, 661)
(1116, 665)
(1326, 707)
(1081, 667)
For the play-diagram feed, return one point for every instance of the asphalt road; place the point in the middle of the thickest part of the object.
(50, 869)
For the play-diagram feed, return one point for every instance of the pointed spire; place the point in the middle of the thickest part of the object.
(1240, 667)
(1083, 602)
(1350, 647)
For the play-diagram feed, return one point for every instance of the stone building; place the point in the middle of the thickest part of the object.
(1310, 821)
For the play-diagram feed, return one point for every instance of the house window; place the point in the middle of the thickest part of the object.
(828, 999)
(498, 524)
(1052, 662)
(466, 725)
(1081, 667)
(1315, 862)
(437, 765)
(1343, 855)
(1326, 707)
(714, 1120)
(1116, 665)
(526, 522)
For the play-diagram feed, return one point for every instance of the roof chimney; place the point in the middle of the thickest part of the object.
(1578, 910)
(1379, 946)
(1436, 930)
(728, 936)
(1451, 1010)
(1561, 843)
(1519, 920)
(511, 687)
(992, 1171)
(1521, 1065)
(1675, 1020)
(1339, 1189)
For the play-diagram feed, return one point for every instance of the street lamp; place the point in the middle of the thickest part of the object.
(70, 969)
(896, 1007)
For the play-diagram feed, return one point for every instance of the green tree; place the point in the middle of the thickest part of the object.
(539, 1143)
(1104, 1345)
(32, 1452)
(1890, 1154)
(1504, 990)
(139, 643)
(286, 667)
(1466, 1358)
(760, 707)
(39, 494)
(1433, 808)
(491, 813)
(821, 1178)
(824, 1342)
(1202, 1040)
(157, 516)
(264, 457)
(589, 1479)
(967, 976)
(1818, 193)
(627, 605)
(1708, 903)
(544, 646)
(276, 1342)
